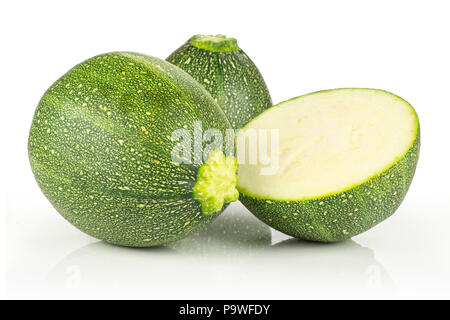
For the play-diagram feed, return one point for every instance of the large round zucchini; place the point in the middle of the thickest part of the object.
(101, 149)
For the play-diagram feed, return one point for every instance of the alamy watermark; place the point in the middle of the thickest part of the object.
(250, 146)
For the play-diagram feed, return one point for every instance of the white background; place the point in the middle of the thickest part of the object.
(299, 47)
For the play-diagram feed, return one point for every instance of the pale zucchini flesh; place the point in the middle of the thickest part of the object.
(330, 141)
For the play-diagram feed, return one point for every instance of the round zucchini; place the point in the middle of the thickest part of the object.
(100, 147)
(228, 74)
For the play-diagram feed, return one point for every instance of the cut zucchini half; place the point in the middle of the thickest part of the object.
(342, 162)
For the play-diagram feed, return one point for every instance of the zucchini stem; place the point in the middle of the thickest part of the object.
(218, 43)
(216, 182)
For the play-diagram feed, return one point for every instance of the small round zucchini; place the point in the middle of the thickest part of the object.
(228, 74)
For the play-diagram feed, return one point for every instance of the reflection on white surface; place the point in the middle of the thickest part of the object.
(324, 269)
(234, 233)
(232, 256)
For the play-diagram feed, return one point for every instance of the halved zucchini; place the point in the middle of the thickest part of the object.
(343, 162)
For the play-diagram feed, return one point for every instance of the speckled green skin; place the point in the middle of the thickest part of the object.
(230, 77)
(343, 215)
(100, 147)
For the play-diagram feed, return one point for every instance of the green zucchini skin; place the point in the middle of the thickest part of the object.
(343, 215)
(230, 76)
(100, 148)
